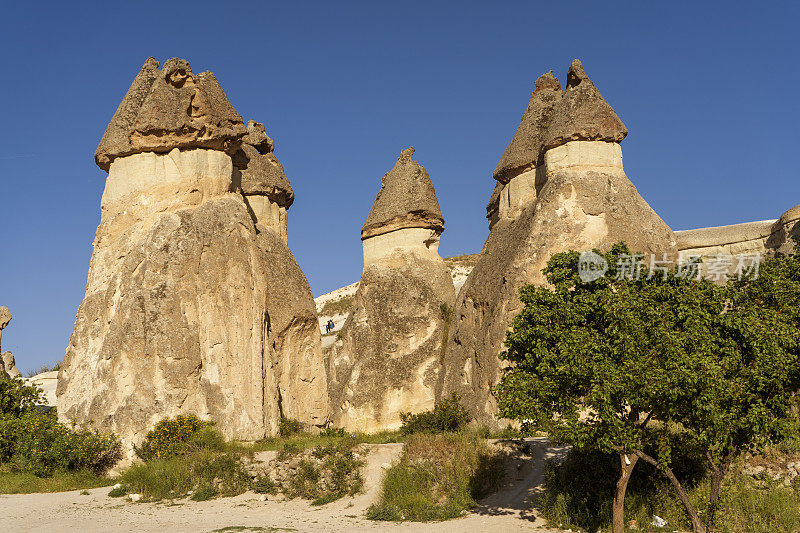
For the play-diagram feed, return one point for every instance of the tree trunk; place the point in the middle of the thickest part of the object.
(718, 474)
(694, 517)
(626, 463)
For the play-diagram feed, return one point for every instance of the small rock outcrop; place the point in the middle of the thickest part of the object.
(561, 186)
(388, 358)
(263, 181)
(180, 309)
(7, 364)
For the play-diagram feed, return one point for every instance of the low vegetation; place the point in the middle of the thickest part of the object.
(33, 442)
(42, 369)
(447, 416)
(439, 476)
(341, 306)
(659, 363)
(578, 495)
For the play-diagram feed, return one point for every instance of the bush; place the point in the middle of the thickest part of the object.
(290, 427)
(579, 490)
(41, 445)
(175, 476)
(16, 398)
(178, 436)
(438, 477)
(448, 415)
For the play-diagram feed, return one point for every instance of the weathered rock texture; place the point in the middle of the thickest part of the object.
(406, 200)
(7, 363)
(748, 238)
(297, 342)
(171, 108)
(388, 360)
(183, 306)
(579, 198)
(263, 180)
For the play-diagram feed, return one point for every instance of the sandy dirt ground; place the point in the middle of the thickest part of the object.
(510, 509)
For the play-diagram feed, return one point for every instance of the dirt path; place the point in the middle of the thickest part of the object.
(507, 510)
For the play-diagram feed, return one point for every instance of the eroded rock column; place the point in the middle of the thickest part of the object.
(389, 357)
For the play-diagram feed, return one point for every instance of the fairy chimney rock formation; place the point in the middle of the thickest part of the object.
(263, 180)
(517, 170)
(405, 213)
(297, 341)
(389, 355)
(560, 186)
(176, 316)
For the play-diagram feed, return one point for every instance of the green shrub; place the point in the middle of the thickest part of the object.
(175, 476)
(117, 492)
(438, 477)
(16, 398)
(178, 436)
(333, 432)
(290, 427)
(36, 442)
(204, 492)
(448, 415)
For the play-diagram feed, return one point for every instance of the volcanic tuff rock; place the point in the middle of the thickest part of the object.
(785, 231)
(582, 200)
(406, 199)
(182, 312)
(171, 108)
(388, 360)
(524, 150)
(7, 364)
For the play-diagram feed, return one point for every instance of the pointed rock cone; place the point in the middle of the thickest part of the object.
(524, 150)
(582, 114)
(388, 358)
(583, 201)
(406, 200)
(171, 108)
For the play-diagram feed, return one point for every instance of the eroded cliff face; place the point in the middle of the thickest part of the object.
(389, 357)
(175, 317)
(576, 196)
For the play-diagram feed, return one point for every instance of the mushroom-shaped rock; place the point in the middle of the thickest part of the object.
(582, 200)
(582, 114)
(387, 360)
(171, 108)
(524, 150)
(406, 199)
(189, 306)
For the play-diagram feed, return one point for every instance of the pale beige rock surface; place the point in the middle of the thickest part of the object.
(580, 199)
(388, 358)
(175, 318)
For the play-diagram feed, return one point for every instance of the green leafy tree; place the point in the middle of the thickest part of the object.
(16, 398)
(612, 363)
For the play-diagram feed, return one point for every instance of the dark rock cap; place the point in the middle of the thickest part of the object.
(171, 108)
(524, 149)
(263, 174)
(582, 114)
(257, 137)
(406, 199)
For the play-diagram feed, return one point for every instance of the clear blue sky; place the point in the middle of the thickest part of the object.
(708, 91)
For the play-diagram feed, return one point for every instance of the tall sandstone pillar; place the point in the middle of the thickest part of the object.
(294, 330)
(560, 186)
(176, 316)
(389, 357)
